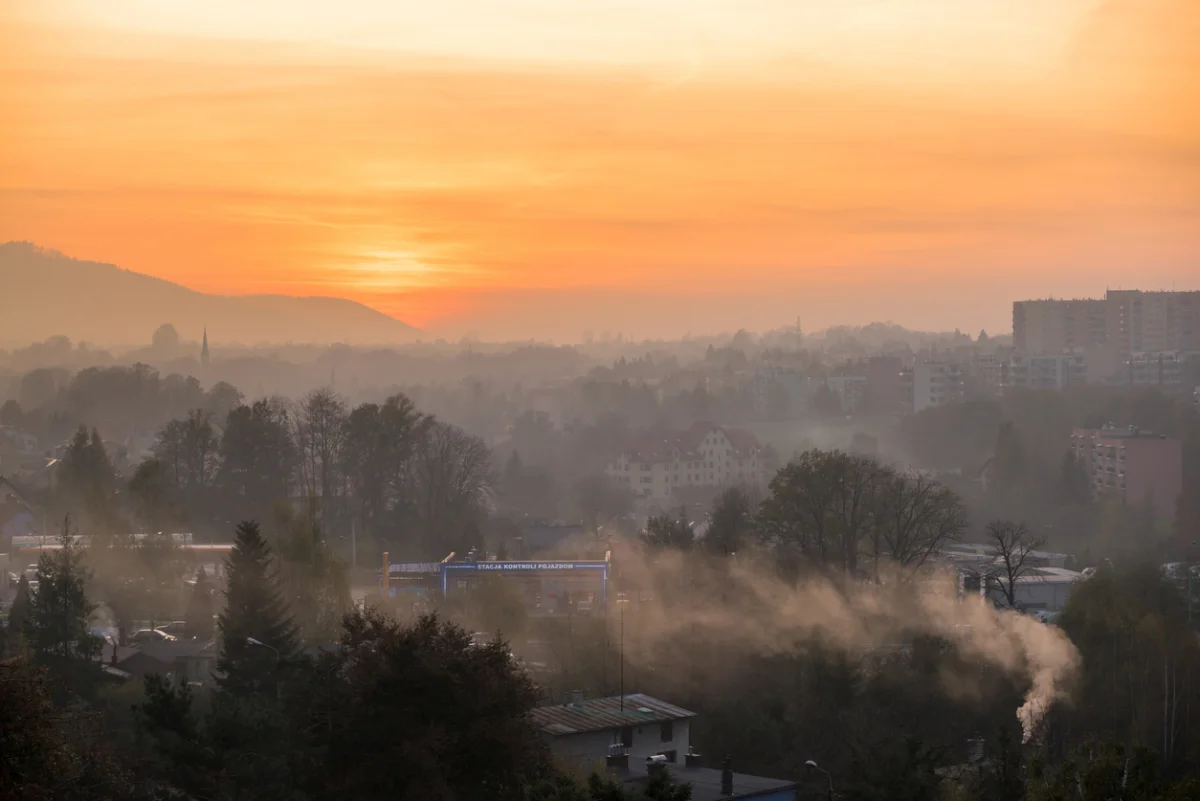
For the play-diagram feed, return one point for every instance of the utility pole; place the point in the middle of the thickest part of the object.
(622, 600)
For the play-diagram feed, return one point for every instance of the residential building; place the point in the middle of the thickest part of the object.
(1140, 322)
(1045, 370)
(632, 737)
(851, 391)
(884, 392)
(1170, 371)
(192, 661)
(706, 784)
(1126, 320)
(662, 463)
(932, 384)
(1137, 466)
(581, 732)
(782, 392)
(1054, 326)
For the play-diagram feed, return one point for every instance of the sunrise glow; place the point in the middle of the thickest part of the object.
(514, 166)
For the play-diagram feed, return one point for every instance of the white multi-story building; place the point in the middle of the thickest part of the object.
(850, 389)
(706, 455)
(933, 384)
(1046, 370)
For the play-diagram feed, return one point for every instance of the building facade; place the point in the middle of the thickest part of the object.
(929, 385)
(1054, 326)
(1045, 370)
(1137, 466)
(583, 732)
(661, 464)
(1127, 321)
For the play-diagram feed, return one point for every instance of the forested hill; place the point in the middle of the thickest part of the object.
(47, 294)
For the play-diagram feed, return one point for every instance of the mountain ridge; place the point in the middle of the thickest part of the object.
(111, 305)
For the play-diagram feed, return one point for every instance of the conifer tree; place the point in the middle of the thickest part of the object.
(56, 629)
(199, 615)
(254, 610)
(59, 611)
(18, 614)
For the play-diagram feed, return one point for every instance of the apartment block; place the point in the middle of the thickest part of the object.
(1056, 326)
(1045, 370)
(1126, 321)
(931, 384)
(1135, 465)
(1142, 322)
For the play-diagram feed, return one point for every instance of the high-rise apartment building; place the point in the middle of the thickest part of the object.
(1058, 326)
(1125, 321)
(1152, 322)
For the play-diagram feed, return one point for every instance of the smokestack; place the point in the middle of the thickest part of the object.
(618, 758)
(387, 566)
(114, 653)
(726, 778)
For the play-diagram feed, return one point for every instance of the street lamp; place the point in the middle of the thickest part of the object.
(278, 662)
(262, 644)
(814, 766)
(622, 601)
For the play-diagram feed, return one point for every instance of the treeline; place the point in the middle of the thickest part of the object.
(402, 479)
(414, 711)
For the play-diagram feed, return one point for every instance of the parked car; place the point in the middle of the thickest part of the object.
(583, 608)
(176, 628)
(150, 635)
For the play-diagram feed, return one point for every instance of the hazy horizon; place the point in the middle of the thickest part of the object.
(686, 167)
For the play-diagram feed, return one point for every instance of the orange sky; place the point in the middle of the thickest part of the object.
(520, 168)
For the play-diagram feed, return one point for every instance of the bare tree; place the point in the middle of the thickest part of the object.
(1012, 545)
(914, 517)
(453, 477)
(321, 433)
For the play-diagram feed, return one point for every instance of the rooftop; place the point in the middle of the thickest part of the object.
(706, 782)
(598, 714)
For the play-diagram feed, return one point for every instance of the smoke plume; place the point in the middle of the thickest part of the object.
(748, 608)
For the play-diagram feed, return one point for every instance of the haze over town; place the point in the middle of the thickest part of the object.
(592, 401)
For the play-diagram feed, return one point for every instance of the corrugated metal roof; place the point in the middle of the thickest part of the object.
(606, 713)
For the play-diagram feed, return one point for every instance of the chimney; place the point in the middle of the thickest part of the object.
(975, 750)
(726, 778)
(691, 759)
(114, 653)
(577, 697)
(618, 758)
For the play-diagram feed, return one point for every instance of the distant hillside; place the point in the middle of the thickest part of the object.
(45, 293)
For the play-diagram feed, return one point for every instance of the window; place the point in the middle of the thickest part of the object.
(668, 732)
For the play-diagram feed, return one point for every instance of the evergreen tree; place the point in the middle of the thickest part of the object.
(88, 479)
(254, 609)
(18, 614)
(57, 627)
(199, 614)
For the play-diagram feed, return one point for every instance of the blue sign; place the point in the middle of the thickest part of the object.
(502, 567)
(525, 567)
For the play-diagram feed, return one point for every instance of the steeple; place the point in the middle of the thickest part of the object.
(204, 349)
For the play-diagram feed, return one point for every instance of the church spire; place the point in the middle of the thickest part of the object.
(204, 349)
